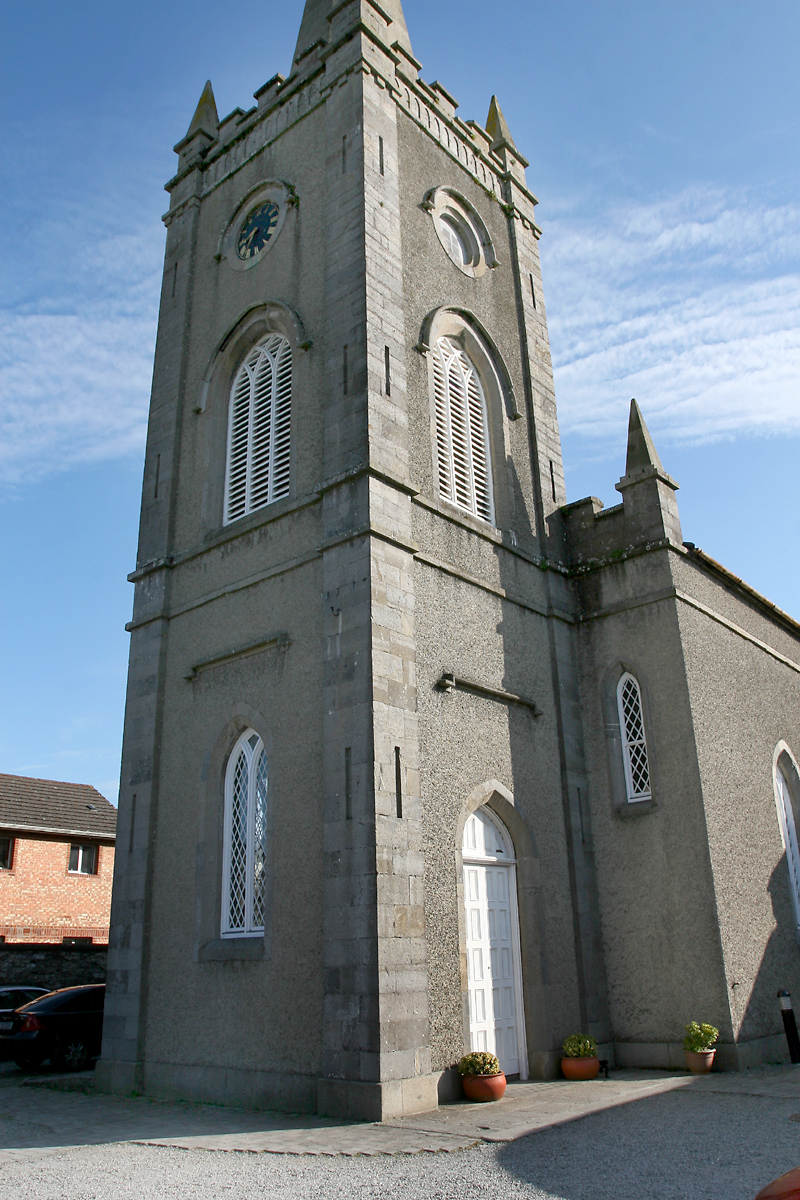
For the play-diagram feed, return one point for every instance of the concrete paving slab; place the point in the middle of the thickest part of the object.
(46, 1114)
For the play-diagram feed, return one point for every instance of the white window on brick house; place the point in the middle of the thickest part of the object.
(82, 859)
(787, 794)
(462, 433)
(258, 469)
(634, 742)
(6, 853)
(245, 840)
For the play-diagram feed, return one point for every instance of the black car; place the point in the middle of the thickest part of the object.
(15, 995)
(65, 1026)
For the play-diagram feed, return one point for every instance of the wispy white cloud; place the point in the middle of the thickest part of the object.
(691, 304)
(76, 358)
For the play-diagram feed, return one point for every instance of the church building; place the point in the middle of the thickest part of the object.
(418, 757)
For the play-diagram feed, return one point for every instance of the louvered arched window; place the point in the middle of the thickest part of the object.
(786, 783)
(462, 434)
(634, 741)
(259, 429)
(245, 839)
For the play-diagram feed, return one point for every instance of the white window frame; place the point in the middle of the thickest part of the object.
(252, 856)
(634, 795)
(10, 864)
(259, 446)
(785, 803)
(463, 441)
(82, 848)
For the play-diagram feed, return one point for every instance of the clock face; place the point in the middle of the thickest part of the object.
(257, 230)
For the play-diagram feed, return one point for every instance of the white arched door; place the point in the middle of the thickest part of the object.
(496, 1020)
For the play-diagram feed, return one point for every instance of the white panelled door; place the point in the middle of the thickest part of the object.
(495, 981)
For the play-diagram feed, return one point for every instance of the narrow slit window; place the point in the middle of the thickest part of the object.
(344, 155)
(462, 433)
(388, 371)
(634, 741)
(348, 784)
(398, 781)
(533, 291)
(260, 429)
(174, 280)
(158, 476)
(380, 156)
(345, 380)
(132, 830)
(245, 839)
(553, 479)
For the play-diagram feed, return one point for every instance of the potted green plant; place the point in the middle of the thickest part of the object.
(481, 1076)
(698, 1047)
(580, 1059)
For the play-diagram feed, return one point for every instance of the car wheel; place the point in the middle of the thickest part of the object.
(72, 1055)
(29, 1062)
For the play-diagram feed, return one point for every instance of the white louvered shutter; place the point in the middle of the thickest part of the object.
(462, 436)
(259, 429)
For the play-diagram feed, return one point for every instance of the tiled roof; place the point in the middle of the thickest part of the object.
(49, 807)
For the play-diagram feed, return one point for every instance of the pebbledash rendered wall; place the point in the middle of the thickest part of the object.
(332, 619)
(695, 896)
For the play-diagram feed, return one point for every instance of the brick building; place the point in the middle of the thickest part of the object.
(56, 861)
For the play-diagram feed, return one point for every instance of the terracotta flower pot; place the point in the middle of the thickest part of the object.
(699, 1062)
(580, 1068)
(484, 1087)
(785, 1188)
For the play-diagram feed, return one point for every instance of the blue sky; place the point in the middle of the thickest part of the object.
(664, 142)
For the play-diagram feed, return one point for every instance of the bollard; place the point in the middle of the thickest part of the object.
(790, 1026)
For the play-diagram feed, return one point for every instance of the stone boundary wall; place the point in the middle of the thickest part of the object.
(52, 966)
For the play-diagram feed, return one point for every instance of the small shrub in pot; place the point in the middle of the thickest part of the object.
(580, 1059)
(481, 1076)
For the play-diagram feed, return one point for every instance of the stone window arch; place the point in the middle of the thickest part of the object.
(786, 780)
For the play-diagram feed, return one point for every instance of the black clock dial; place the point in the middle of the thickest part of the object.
(257, 230)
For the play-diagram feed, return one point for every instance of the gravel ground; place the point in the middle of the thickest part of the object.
(677, 1146)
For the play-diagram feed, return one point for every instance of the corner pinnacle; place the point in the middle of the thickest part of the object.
(205, 118)
(641, 448)
(497, 125)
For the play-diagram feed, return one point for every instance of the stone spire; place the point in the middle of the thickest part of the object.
(642, 453)
(316, 27)
(205, 119)
(497, 126)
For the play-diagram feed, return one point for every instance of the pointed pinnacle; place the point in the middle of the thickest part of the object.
(641, 448)
(205, 118)
(497, 125)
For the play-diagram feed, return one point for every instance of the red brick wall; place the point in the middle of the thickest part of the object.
(40, 901)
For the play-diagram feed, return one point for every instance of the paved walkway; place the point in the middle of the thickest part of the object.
(44, 1114)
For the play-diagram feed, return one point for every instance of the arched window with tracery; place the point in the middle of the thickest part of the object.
(245, 839)
(258, 469)
(462, 432)
(634, 741)
(787, 793)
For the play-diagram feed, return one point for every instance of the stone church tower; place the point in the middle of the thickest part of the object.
(417, 758)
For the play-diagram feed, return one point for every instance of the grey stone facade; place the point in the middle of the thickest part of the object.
(328, 622)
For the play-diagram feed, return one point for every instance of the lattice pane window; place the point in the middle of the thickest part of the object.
(788, 824)
(245, 844)
(634, 742)
(462, 434)
(259, 429)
